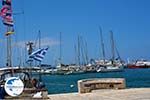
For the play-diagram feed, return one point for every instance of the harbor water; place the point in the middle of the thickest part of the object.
(135, 78)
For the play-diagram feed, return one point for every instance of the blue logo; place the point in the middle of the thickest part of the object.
(14, 86)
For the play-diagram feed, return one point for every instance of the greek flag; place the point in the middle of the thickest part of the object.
(39, 54)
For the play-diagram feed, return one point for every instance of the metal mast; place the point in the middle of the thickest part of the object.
(102, 44)
(82, 51)
(39, 39)
(86, 53)
(60, 48)
(40, 77)
(78, 50)
(30, 47)
(112, 46)
(76, 60)
(30, 50)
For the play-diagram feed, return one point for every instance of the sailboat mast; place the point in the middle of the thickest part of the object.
(86, 53)
(78, 50)
(82, 50)
(112, 46)
(76, 61)
(40, 77)
(102, 44)
(60, 48)
(39, 39)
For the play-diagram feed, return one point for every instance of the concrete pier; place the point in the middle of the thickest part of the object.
(104, 89)
(106, 94)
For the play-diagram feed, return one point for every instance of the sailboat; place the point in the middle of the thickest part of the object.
(77, 67)
(112, 65)
(17, 82)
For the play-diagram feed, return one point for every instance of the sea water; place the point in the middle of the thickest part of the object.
(135, 78)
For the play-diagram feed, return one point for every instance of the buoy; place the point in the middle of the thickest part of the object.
(71, 85)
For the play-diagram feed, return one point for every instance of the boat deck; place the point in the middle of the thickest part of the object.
(124, 94)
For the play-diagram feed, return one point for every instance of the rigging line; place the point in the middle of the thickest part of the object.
(86, 52)
(119, 57)
(60, 48)
(78, 49)
(38, 38)
(102, 43)
(24, 30)
(18, 47)
(82, 50)
(112, 45)
(76, 61)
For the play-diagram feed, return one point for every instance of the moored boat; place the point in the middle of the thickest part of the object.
(110, 69)
(31, 83)
(139, 64)
(114, 64)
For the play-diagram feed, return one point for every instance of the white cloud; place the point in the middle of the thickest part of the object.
(49, 42)
(44, 42)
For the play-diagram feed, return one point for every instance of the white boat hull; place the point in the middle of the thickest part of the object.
(110, 69)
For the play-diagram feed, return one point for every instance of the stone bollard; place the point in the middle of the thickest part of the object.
(87, 85)
(44, 94)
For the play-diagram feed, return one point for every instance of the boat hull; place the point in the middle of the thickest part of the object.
(111, 69)
(140, 66)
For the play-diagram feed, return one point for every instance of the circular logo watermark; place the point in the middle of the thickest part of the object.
(14, 86)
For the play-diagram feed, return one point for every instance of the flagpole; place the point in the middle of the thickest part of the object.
(30, 50)
(6, 14)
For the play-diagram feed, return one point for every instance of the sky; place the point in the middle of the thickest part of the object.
(128, 19)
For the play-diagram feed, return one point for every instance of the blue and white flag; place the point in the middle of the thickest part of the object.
(39, 54)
